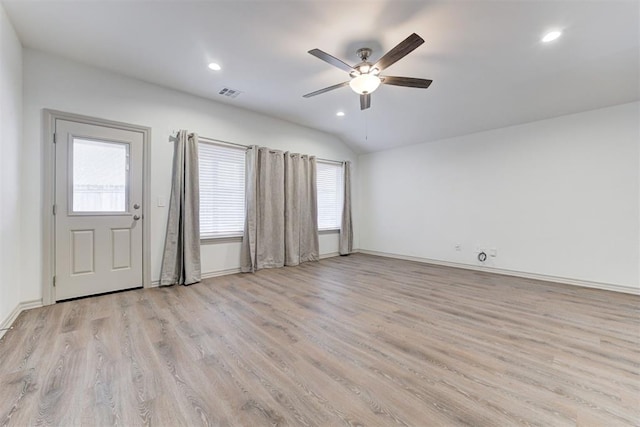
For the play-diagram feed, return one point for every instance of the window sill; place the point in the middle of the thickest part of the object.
(329, 231)
(233, 239)
(220, 239)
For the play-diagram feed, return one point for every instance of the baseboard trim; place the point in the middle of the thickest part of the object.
(210, 274)
(329, 255)
(504, 272)
(22, 306)
(221, 273)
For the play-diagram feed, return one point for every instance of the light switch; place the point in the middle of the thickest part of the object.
(162, 202)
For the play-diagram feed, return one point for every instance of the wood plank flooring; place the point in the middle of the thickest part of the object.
(358, 340)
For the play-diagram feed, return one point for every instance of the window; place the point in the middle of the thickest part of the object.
(330, 195)
(100, 175)
(221, 190)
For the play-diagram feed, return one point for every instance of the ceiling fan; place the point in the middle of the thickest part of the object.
(365, 76)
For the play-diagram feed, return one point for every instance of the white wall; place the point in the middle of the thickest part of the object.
(558, 197)
(10, 141)
(56, 83)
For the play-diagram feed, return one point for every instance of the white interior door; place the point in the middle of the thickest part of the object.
(98, 209)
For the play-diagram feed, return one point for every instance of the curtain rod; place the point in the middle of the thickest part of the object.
(246, 147)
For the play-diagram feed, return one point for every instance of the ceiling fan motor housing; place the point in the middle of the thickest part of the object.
(363, 67)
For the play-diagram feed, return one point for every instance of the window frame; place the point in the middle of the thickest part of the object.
(339, 194)
(231, 236)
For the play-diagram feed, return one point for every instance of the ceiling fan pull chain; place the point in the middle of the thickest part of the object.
(366, 126)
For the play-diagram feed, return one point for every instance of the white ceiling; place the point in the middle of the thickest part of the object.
(489, 67)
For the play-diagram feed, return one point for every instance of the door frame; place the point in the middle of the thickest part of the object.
(49, 118)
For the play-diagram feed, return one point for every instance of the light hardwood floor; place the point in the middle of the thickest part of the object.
(358, 340)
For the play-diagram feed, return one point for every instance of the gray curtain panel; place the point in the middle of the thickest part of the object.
(281, 210)
(301, 209)
(345, 246)
(181, 258)
(263, 241)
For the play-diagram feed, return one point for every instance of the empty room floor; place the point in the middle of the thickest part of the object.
(358, 340)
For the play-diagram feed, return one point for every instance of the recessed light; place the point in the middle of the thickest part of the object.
(215, 67)
(551, 36)
(340, 114)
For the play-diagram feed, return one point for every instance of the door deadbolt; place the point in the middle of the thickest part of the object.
(136, 206)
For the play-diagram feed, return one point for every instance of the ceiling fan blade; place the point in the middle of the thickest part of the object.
(326, 89)
(407, 81)
(400, 51)
(365, 101)
(331, 60)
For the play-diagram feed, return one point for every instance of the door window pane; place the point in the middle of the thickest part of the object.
(100, 171)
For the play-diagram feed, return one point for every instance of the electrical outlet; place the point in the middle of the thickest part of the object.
(458, 247)
(493, 252)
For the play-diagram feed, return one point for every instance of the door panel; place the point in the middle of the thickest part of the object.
(98, 196)
(121, 245)
(82, 251)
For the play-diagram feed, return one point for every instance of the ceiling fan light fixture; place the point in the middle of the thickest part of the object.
(364, 83)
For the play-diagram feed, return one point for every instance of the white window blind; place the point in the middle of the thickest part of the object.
(330, 194)
(221, 190)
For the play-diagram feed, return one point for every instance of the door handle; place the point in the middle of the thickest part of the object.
(136, 217)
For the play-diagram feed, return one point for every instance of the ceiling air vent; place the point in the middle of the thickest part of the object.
(231, 93)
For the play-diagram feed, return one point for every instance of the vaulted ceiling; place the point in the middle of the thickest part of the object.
(489, 67)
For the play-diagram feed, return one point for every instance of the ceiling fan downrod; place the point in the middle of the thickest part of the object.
(364, 53)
